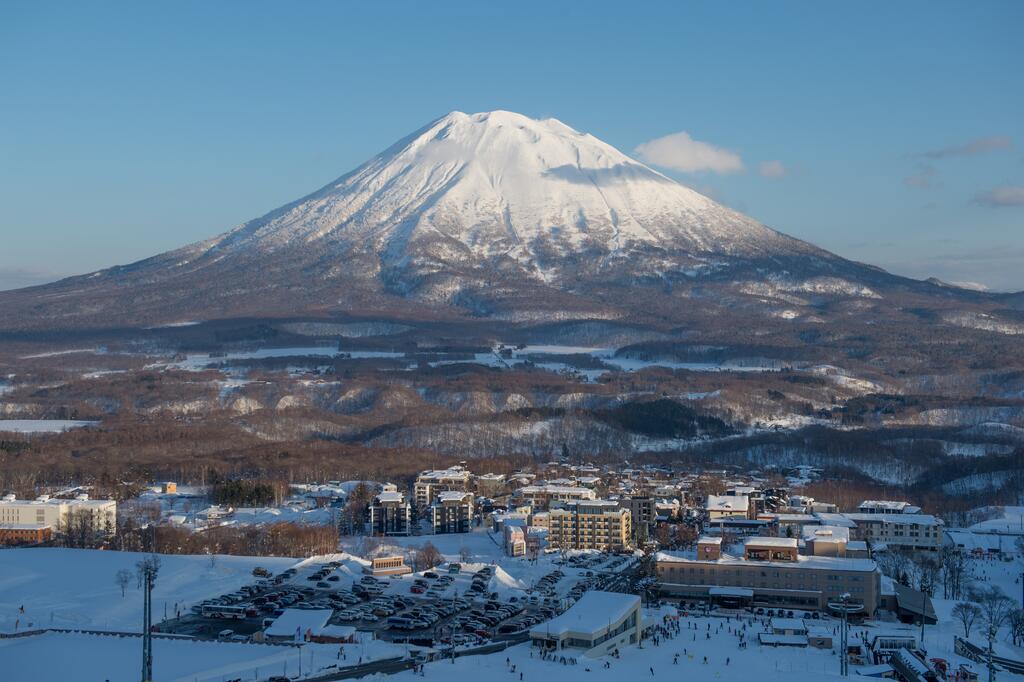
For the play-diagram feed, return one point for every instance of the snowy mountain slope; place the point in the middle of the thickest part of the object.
(501, 184)
(494, 214)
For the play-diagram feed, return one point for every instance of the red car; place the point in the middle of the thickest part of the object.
(416, 589)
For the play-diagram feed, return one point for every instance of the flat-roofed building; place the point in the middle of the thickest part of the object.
(60, 514)
(541, 496)
(430, 483)
(452, 512)
(887, 507)
(727, 507)
(901, 531)
(596, 625)
(590, 524)
(387, 565)
(390, 514)
(491, 485)
(24, 533)
(770, 573)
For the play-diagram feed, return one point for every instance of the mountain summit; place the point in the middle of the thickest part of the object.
(502, 185)
(494, 214)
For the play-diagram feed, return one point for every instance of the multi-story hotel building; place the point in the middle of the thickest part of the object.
(452, 512)
(590, 524)
(59, 513)
(390, 514)
(771, 573)
(430, 483)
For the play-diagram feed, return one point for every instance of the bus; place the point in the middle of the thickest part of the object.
(224, 611)
(400, 623)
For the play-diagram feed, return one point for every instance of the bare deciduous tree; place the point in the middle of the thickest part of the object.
(123, 578)
(967, 614)
(427, 556)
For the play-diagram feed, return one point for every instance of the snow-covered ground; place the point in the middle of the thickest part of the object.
(61, 657)
(42, 425)
(75, 587)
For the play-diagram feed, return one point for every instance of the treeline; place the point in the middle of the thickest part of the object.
(663, 418)
(240, 492)
(276, 539)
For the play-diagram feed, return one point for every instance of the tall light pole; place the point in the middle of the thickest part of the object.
(147, 621)
(844, 607)
(148, 569)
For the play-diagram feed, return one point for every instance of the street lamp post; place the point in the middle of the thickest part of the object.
(844, 606)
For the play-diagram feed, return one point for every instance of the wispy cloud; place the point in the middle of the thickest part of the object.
(772, 169)
(925, 176)
(980, 145)
(681, 152)
(1001, 197)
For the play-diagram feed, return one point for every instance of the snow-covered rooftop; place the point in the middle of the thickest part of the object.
(593, 612)
(294, 621)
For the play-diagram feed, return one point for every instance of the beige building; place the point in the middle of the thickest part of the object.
(430, 483)
(771, 573)
(541, 496)
(590, 524)
(58, 513)
(902, 531)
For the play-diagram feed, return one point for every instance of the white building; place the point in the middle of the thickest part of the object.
(596, 625)
(57, 513)
(904, 531)
(887, 507)
(727, 507)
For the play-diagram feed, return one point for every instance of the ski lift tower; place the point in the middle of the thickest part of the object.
(844, 606)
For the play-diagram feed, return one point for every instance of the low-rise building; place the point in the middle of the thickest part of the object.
(887, 507)
(590, 524)
(387, 565)
(24, 533)
(727, 507)
(596, 625)
(771, 573)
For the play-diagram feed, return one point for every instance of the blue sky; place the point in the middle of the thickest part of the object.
(891, 133)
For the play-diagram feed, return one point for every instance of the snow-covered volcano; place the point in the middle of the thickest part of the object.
(490, 213)
(500, 184)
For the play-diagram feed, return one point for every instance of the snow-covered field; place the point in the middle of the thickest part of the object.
(42, 425)
(59, 657)
(75, 587)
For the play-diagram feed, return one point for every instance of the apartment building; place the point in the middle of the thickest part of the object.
(58, 513)
(642, 515)
(590, 524)
(390, 514)
(771, 573)
(430, 483)
(541, 496)
(901, 531)
(452, 512)
(491, 485)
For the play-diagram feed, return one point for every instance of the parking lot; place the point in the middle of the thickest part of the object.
(453, 604)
